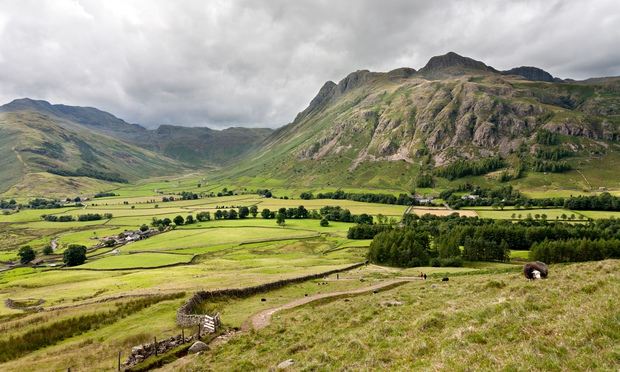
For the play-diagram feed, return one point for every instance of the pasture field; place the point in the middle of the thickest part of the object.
(138, 260)
(507, 214)
(439, 211)
(599, 214)
(495, 321)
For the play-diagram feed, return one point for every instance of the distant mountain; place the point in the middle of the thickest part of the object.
(455, 117)
(196, 146)
(49, 156)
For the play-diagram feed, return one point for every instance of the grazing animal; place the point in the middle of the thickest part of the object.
(445, 279)
(535, 270)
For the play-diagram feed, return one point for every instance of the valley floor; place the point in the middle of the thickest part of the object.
(487, 316)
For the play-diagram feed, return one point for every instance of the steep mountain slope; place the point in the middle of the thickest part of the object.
(197, 146)
(32, 143)
(453, 118)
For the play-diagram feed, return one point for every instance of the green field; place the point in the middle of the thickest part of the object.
(552, 214)
(139, 260)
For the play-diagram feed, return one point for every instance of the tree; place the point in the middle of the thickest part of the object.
(203, 216)
(266, 213)
(26, 254)
(166, 221)
(280, 219)
(144, 228)
(74, 255)
(47, 250)
(324, 222)
(178, 220)
(189, 220)
(232, 214)
(244, 212)
(254, 211)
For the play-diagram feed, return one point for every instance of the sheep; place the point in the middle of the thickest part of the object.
(535, 270)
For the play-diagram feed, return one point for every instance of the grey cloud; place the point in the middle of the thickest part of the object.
(258, 63)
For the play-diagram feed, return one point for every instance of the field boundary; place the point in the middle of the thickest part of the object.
(186, 318)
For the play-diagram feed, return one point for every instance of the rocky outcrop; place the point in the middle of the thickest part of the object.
(454, 62)
(530, 73)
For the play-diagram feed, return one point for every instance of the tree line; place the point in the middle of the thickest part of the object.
(575, 250)
(401, 199)
(81, 217)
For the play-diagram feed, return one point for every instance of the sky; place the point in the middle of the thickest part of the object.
(258, 63)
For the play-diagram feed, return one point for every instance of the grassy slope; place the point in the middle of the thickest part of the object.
(482, 322)
(28, 136)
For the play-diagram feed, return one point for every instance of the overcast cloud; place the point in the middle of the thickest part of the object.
(258, 63)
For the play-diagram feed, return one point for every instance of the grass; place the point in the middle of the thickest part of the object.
(177, 239)
(480, 322)
(132, 261)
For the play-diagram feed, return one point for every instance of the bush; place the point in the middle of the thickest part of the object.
(324, 222)
(47, 250)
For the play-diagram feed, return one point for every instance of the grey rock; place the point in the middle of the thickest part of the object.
(285, 364)
(198, 346)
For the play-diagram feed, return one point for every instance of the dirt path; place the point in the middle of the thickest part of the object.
(263, 318)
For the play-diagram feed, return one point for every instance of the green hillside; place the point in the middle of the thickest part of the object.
(43, 154)
(449, 121)
(196, 146)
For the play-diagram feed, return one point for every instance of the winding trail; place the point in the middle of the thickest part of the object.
(263, 319)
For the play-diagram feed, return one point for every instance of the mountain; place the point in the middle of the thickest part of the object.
(41, 143)
(453, 120)
(197, 146)
(530, 73)
(48, 156)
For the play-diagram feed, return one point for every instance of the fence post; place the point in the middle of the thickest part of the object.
(155, 346)
(119, 360)
(183, 335)
(199, 330)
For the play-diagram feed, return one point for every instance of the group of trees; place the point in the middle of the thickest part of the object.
(74, 255)
(402, 199)
(104, 194)
(475, 239)
(187, 195)
(575, 250)
(8, 204)
(463, 168)
(89, 172)
(507, 196)
(550, 166)
(81, 217)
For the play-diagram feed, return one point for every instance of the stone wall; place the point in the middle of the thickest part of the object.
(186, 318)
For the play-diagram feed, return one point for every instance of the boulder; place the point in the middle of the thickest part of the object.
(197, 347)
(285, 364)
